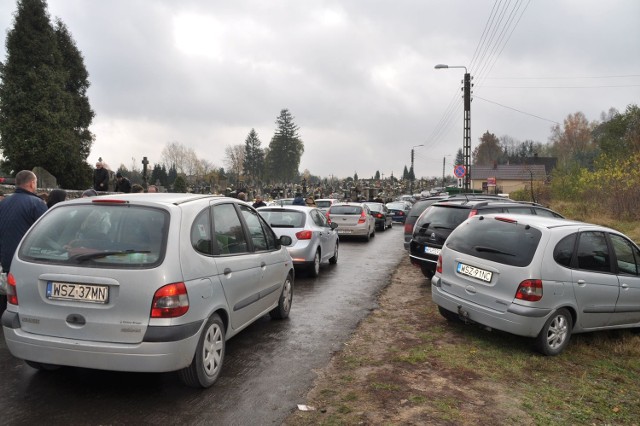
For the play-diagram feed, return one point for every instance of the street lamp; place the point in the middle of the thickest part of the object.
(466, 151)
(413, 173)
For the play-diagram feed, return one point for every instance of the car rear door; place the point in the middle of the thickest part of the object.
(627, 259)
(595, 286)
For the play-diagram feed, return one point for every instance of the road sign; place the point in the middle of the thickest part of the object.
(460, 170)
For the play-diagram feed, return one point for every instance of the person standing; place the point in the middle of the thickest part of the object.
(298, 200)
(100, 178)
(17, 214)
(122, 184)
(56, 196)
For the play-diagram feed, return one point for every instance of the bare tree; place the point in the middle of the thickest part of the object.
(234, 159)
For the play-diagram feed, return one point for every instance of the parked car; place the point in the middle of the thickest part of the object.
(436, 223)
(314, 239)
(353, 219)
(283, 202)
(144, 283)
(399, 210)
(539, 277)
(324, 203)
(381, 214)
(416, 210)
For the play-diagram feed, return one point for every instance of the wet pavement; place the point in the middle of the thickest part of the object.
(268, 369)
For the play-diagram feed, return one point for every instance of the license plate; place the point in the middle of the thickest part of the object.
(474, 272)
(77, 292)
(431, 250)
(344, 231)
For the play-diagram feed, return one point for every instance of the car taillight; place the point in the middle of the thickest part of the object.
(304, 235)
(12, 295)
(379, 215)
(363, 217)
(170, 301)
(529, 290)
(473, 212)
(408, 228)
(439, 265)
(328, 217)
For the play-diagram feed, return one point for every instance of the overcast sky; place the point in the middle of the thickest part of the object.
(357, 75)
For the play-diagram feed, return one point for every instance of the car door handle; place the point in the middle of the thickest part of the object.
(262, 264)
(227, 271)
(624, 285)
(581, 282)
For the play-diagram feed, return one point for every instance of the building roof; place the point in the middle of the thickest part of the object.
(509, 172)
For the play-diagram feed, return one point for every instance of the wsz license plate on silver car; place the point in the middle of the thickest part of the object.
(474, 272)
(77, 292)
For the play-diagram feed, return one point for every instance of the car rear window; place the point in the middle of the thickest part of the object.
(443, 217)
(506, 242)
(323, 204)
(283, 218)
(348, 210)
(98, 235)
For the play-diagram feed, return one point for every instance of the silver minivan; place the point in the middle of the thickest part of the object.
(538, 277)
(145, 283)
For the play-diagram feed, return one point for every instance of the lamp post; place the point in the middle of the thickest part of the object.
(412, 177)
(466, 150)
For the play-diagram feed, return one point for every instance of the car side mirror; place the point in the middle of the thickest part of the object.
(285, 240)
(333, 225)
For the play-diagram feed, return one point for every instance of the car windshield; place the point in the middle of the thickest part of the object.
(283, 218)
(506, 242)
(349, 210)
(376, 207)
(98, 234)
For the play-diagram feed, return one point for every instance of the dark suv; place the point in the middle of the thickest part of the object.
(436, 223)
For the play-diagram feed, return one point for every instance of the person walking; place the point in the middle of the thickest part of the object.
(259, 202)
(122, 184)
(55, 196)
(17, 214)
(298, 200)
(100, 178)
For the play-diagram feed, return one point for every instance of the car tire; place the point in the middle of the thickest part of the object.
(207, 362)
(383, 227)
(448, 315)
(284, 302)
(554, 336)
(333, 260)
(367, 237)
(428, 273)
(42, 366)
(314, 268)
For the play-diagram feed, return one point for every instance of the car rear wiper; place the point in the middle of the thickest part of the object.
(281, 225)
(97, 255)
(492, 250)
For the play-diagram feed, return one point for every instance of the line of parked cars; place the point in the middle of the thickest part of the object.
(524, 269)
(133, 282)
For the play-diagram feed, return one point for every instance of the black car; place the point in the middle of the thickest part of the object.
(436, 223)
(382, 215)
(415, 212)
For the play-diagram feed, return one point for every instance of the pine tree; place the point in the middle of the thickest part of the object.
(254, 157)
(44, 111)
(285, 150)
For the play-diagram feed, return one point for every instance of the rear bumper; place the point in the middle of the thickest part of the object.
(154, 357)
(423, 263)
(517, 319)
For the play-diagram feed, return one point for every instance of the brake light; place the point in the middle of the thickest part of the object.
(529, 290)
(170, 301)
(439, 265)
(363, 217)
(408, 228)
(304, 235)
(473, 212)
(506, 219)
(12, 295)
(108, 201)
(328, 217)
(379, 215)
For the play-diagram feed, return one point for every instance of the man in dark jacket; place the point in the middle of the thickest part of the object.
(122, 184)
(100, 178)
(17, 213)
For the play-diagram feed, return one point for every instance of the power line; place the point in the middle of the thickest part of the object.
(517, 110)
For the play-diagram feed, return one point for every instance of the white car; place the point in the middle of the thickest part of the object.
(144, 283)
(315, 240)
(353, 219)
